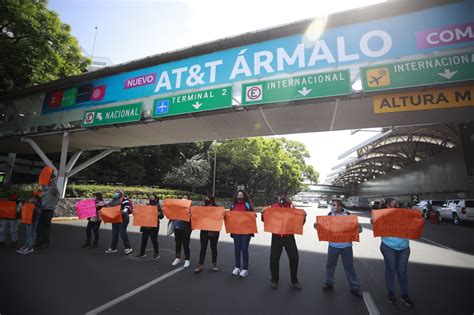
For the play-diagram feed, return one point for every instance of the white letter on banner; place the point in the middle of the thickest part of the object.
(282, 56)
(240, 66)
(387, 43)
(213, 65)
(179, 73)
(466, 34)
(164, 81)
(265, 63)
(430, 40)
(341, 51)
(321, 45)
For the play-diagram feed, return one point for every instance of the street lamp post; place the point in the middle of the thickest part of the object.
(214, 175)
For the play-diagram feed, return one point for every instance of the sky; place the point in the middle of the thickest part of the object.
(134, 29)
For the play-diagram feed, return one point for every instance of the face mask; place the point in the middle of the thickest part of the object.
(283, 201)
(240, 198)
(116, 195)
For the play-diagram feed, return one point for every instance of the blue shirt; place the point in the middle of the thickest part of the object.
(396, 243)
(179, 225)
(340, 245)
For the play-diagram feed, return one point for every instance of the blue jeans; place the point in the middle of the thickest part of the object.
(9, 226)
(30, 233)
(241, 247)
(348, 263)
(396, 261)
(120, 228)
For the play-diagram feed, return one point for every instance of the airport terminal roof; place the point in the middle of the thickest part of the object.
(393, 149)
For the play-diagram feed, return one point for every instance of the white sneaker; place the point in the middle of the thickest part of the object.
(236, 271)
(244, 273)
(175, 262)
(128, 251)
(27, 251)
(110, 250)
(187, 263)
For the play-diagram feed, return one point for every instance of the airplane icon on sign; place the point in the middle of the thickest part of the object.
(377, 77)
(162, 107)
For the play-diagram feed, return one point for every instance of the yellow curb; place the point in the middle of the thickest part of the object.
(65, 218)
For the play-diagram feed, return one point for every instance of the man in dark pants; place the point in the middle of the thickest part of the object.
(49, 201)
(280, 241)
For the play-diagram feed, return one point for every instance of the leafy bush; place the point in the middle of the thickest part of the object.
(137, 192)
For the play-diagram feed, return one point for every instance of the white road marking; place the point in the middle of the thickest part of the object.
(133, 292)
(370, 304)
(438, 244)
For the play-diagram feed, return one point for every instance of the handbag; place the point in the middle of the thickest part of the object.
(170, 230)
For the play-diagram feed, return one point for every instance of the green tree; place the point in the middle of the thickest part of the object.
(194, 172)
(263, 165)
(140, 166)
(35, 46)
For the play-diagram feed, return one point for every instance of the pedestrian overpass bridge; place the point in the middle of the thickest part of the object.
(329, 73)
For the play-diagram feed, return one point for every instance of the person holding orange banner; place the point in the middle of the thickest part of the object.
(31, 227)
(241, 241)
(345, 251)
(396, 251)
(151, 232)
(205, 237)
(10, 225)
(182, 237)
(121, 228)
(286, 241)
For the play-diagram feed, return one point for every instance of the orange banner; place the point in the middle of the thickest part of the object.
(207, 218)
(177, 209)
(7, 209)
(27, 213)
(145, 216)
(338, 229)
(45, 176)
(396, 222)
(111, 214)
(240, 222)
(284, 220)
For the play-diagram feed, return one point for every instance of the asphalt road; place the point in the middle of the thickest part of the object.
(65, 279)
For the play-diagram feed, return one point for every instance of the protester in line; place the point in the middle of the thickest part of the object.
(343, 249)
(396, 252)
(206, 237)
(10, 226)
(182, 238)
(121, 228)
(93, 224)
(286, 241)
(241, 202)
(49, 202)
(151, 232)
(31, 228)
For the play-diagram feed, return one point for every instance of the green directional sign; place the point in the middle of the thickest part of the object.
(314, 85)
(112, 115)
(193, 102)
(418, 72)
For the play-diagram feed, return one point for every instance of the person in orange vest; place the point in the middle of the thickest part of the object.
(286, 241)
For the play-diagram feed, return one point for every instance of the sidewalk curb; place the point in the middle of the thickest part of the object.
(65, 219)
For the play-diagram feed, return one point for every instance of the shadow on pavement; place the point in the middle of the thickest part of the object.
(66, 279)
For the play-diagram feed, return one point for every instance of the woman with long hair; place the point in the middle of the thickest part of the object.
(241, 202)
(208, 236)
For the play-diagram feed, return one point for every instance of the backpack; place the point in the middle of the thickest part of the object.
(130, 206)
